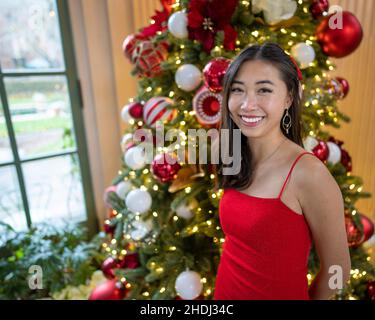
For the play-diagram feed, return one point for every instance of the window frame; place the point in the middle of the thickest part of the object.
(76, 102)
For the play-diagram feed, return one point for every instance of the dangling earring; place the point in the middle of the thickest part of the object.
(287, 121)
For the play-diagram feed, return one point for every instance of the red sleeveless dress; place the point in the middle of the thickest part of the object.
(266, 248)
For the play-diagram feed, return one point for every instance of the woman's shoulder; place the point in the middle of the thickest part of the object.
(312, 175)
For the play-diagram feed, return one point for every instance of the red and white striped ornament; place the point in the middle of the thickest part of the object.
(156, 109)
(206, 105)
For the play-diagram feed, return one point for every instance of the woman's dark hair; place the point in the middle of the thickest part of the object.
(274, 54)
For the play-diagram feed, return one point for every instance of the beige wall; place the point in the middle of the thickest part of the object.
(99, 29)
(359, 69)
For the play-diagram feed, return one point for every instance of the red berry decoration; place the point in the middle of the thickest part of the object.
(164, 167)
(136, 110)
(317, 8)
(321, 150)
(206, 105)
(214, 72)
(148, 57)
(339, 42)
(346, 160)
(109, 290)
(355, 236)
(107, 267)
(130, 43)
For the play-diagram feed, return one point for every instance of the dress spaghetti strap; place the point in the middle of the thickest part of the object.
(290, 171)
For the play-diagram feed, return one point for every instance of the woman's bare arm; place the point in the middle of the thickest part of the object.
(322, 203)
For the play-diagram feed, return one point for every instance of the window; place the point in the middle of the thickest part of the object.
(44, 170)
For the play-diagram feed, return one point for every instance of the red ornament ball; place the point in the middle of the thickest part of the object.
(107, 267)
(136, 110)
(109, 228)
(109, 290)
(148, 57)
(321, 150)
(344, 84)
(354, 235)
(207, 105)
(339, 42)
(130, 261)
(130, 43)
(317, 8)
(368, 227)
(214, 72)
(164, 167)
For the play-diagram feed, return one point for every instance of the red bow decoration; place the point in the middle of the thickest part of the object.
(298, 69)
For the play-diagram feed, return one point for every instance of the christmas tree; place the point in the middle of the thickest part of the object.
(164, 238)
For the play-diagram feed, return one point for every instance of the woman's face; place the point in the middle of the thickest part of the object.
(258, 98)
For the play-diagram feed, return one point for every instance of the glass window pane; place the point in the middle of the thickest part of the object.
(41, 114)
(54, 189)
(11, 207)
(6, 154)
(30, 37)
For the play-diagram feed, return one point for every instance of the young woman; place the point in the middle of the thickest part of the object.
(284, 198)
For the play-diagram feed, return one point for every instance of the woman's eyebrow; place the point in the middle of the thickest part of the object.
(258, 82)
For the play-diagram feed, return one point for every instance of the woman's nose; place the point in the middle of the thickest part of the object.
(249, 102)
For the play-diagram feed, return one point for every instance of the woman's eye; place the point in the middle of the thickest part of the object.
(235, 90)
(265, 90)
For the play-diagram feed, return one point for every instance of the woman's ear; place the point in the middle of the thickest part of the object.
(289, 100)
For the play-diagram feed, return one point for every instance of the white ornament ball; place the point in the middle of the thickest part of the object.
(177, 25)
(188, 285)
(334, 153)
(185, 210)
(135, 158)
(125, 115)
(303, 53)
(188, 77)
(138, 200)
(141, 229)
(126, 138)
(310, 143)
(123, 188)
